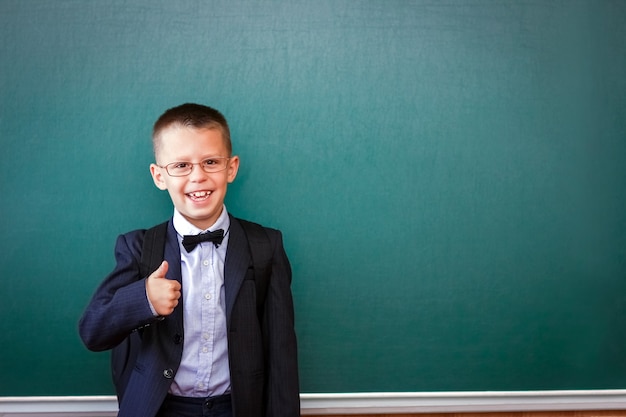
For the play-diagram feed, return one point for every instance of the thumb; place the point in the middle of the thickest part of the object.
(161, 270)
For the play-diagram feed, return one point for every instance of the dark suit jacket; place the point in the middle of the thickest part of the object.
(262, 352)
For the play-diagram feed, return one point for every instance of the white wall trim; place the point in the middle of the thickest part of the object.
(450, 402)
(357, 403)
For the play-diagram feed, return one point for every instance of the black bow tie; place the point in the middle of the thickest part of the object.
(191, 241)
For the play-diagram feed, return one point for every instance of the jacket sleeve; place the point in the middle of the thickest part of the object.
(120, 304)
(283, 391)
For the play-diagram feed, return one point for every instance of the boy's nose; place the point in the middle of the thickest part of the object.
(197, 173)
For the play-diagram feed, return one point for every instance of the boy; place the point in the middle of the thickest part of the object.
(206, 342)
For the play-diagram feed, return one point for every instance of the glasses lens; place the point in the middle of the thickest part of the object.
(179, 169)
(214, 164)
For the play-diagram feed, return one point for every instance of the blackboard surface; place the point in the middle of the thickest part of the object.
(450, 178)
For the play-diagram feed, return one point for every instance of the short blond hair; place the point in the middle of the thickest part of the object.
(191, 115)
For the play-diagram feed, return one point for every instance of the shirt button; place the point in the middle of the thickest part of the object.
(205, 349)
(205, 263)
(207, 296)
(205, 336)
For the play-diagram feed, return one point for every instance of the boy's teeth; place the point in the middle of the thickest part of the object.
(200, 194)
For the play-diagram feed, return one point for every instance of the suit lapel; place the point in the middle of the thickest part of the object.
(236, 264)
(172, 253)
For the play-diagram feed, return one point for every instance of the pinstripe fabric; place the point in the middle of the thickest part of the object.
(262, 351)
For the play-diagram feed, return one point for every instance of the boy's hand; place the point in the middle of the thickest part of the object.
(163, 293)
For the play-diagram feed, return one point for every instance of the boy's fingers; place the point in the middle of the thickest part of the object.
(161, 270)
(163, 282)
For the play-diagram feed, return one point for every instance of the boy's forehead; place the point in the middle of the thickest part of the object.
(177, 133)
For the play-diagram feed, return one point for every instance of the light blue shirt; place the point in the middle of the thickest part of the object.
(204, 369)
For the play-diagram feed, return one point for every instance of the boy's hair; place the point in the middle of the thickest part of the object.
(192, 115)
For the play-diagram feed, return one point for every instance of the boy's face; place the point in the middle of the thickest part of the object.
(199, 196)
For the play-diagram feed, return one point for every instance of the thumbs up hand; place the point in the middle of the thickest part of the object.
(163, 293)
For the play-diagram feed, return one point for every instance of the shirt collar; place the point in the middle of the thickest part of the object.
(183, 227)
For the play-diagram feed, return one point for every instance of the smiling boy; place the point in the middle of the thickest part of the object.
(215, 327)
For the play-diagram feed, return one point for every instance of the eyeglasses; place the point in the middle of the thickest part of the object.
(209, 165)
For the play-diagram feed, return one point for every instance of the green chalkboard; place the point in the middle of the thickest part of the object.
(450, 177)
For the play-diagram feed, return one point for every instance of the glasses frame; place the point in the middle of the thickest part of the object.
(193, 164)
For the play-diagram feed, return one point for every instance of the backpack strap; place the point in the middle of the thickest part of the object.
(153, 249)
(261, 253)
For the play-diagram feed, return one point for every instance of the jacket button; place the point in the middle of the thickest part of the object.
(178, 338)
(168, 373)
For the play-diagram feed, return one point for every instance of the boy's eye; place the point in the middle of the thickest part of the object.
(210, 162)
(180, 165)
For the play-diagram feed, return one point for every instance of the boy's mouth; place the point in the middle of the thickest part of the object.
(199, 195)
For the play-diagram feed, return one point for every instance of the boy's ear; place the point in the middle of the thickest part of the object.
(233, 167)
(157, 177)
